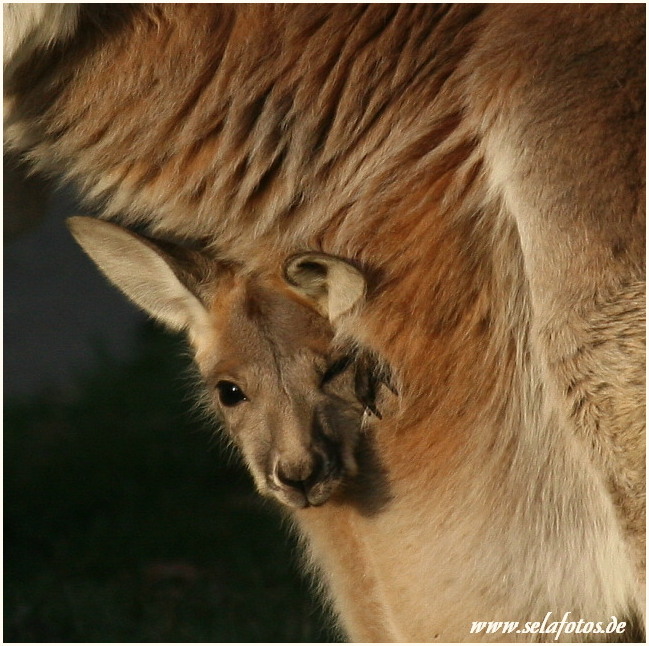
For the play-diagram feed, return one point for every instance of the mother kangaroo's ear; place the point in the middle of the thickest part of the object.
(144, 270)
(333, 284)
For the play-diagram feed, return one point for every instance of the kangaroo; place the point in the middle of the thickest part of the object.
(292, 401)
(265, 347)
(482, 166)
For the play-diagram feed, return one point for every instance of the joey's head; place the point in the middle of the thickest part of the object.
(263, 343)
(284, 396)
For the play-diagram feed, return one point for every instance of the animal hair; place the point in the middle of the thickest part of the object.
(483, 167)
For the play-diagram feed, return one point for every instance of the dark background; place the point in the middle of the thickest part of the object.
(126, 518)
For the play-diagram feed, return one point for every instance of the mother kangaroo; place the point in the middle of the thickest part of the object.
(482, 166)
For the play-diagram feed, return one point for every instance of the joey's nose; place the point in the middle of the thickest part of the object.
(300, 475)
(309, 481)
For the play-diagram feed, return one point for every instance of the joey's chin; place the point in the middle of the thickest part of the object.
(302, 498)
(322, 492)
(289, 498)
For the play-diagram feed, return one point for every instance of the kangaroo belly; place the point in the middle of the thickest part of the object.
(475, 547)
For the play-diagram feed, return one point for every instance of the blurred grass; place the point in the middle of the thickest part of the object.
(126, 522)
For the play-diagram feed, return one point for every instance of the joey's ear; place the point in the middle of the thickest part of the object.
(142, 270)
(333, 284)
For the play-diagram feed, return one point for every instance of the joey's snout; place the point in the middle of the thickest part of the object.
(307, 478)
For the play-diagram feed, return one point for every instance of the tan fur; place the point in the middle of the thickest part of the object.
(264, 347)
(32, 27)
(484, 166)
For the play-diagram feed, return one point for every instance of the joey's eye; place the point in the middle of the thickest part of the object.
(230, 394)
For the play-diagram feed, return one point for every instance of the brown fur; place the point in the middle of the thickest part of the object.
(484, 165)
(291, 399)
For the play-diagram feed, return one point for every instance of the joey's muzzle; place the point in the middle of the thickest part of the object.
(308, 479)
